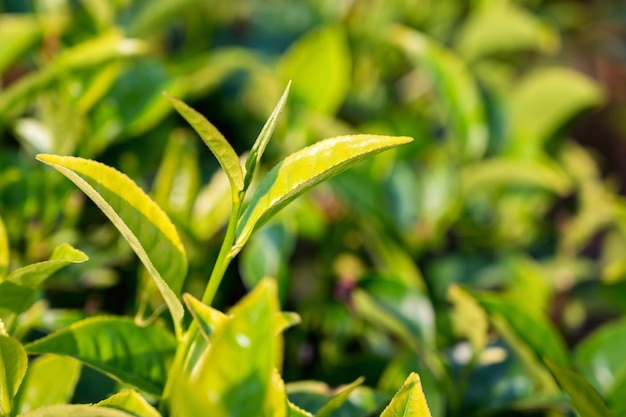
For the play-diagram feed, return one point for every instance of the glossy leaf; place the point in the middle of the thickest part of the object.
(32, 276)
(454, 84)
(131, 402)
(40, 390)
(247, 339)
(4, 251)
(409, 401)
(338, 399)
(207, 317)
(135, 355)
(75, 410)
(303, 170)
(585, 399)
(216, 142)
(258, 148)
(319, 65)
(143, 224)
(13, 363)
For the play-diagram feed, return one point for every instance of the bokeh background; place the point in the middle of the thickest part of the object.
(513, 188)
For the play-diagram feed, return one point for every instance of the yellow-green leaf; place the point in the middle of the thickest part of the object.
(13, 362)
(130, 401)
(303, 170)
(75, 410)
(4, 250)
(33, 275)
(338, 399)
(409, 401)
(207, 317)
(216, 142)
(143, 224)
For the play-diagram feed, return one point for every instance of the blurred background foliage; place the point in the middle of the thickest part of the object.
(494, 240)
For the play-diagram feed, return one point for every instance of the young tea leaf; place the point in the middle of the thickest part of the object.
(216, 142)
(264, 137)
(32, 276)
(76, 410)
(303, 170)
(206, 316)
(13, 363)
(409, 401)
(276, 399)
(295, 411)
(139, 356)
(338, 399)
(130, 401)
(143, 224)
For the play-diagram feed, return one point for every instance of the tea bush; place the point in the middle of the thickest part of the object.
(484, 254)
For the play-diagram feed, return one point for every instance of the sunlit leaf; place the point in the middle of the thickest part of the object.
(338, 399)
(13, 363)
(39, 390)
(276, 399)
(139, 356)
(32, 276)
(75, 410)
(4, 250)
(143, 224)
(319, 65)
(454, 84)
(469, 318)
(207, 317)
(23, 30)
(295, 411)
(585, 399)
(216, 142)
(303, 170)
(264, 137)
(409, 401)
(131, 402)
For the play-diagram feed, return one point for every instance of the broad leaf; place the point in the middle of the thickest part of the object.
(247, 339)
(303, 170)
(264, 137)
(216, 142)
(338, 399)
(75, 410)
(454, 84)
(409, 401)
(143, 224)
(4, 250)
(586, 400)
(40, 390)
(13, 363)
(319, 65)
(135, 355)
(131, 402)
(32, 276)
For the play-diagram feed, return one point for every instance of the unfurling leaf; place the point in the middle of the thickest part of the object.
(409, 401)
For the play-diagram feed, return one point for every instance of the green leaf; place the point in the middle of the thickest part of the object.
(212, 207)
(32, 276)
(75, 410)
(409, 401)
(39, 390)
(4, 251)
(13, 363)
(319, 65)
(585, 399)
(544, 101)
(303, 170)
(216, 142)
(276, 399)
(24, 30)
(247, 339)
(455, 85)
(131, 402)
(143, 224)
(295, 411)
(338, 399)
(139, 356)
(207, 317)
(258, 148)
(469, 318)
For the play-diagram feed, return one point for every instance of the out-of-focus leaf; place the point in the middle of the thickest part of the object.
(303, 170)
(212, 207)
(139, 356)
(276, 400)
(469, 318)
(585, 399)
(295, 411)
(143, 224)
(338, 399)
(409, 401)
(4, 250)
(248, 339)
(313, 396)
(23, 30)
(258, 148)
(75, 410)
(504, 28)
(13, 363)
(32, 276)
(454, 84)
(544, 101)
(216, 142)
(319, 65)
(131, 402)
(40, 390)
(207, 317)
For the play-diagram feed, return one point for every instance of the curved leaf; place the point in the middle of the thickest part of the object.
(32, 276)
(303, 170)
(75, 410)
(143, 224)
(216, 142)
(39, 390)
(130, 401)
(117, 346)
(13, 363)
(409, 401)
